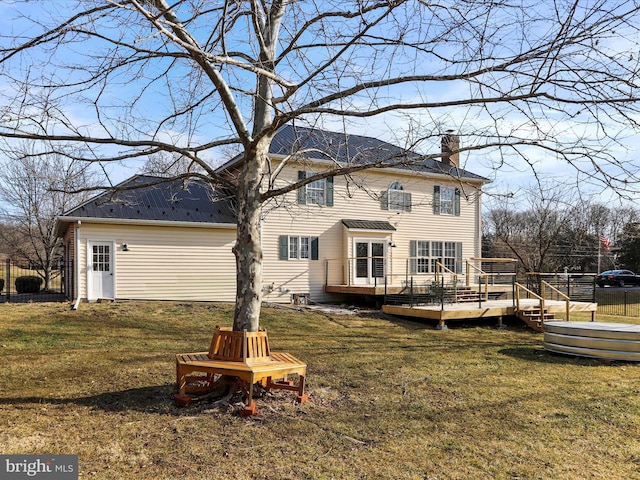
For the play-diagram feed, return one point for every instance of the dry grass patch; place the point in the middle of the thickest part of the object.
(388, 399)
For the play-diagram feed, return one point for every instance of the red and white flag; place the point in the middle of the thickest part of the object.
(605, 241)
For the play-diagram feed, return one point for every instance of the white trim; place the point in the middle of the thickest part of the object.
(78, 267)
(369, 280)
(133, 221)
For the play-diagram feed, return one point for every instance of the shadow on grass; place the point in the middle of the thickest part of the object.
(538, 354)
(150, 399)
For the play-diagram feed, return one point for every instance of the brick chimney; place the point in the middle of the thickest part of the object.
(450, 143)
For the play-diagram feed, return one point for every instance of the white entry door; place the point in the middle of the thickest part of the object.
(370, 262)
(100, 280)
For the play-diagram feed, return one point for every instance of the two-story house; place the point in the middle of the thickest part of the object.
(340, 234)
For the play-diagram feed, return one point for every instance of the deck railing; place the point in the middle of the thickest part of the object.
(567, 300)
(541, 298)
(481, 275)
(520, 288)
(401, 271)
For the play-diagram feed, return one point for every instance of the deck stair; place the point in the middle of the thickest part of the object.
(466, 295)
(534, 318)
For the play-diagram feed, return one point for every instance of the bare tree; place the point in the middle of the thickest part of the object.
(34, 189)
(550, 228)
(167, 164)
(530, 228)
(555, 76)
(629, 246)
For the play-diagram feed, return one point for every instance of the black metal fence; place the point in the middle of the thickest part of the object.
(619, 302)
(578, 287)
(56, 291)
(623, 302)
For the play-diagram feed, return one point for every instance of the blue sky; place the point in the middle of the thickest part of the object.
(514, 171)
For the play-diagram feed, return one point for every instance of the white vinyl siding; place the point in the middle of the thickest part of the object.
(167, 263)
(190, 263)
(284, 278)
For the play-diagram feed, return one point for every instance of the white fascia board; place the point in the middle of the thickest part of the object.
(146, 223)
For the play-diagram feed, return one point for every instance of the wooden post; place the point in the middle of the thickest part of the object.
(8, 285)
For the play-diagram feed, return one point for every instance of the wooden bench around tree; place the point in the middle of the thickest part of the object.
(244, 355)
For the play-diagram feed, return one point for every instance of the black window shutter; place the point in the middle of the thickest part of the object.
(458, 257)
(456, 205)
(329, 195)
(302, 191)
(284, 247)
(384, 200)
(314, 248)
(413, 251)
(407, 201)
(436, 200)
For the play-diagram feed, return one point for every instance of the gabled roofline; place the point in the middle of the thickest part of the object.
(424, 170)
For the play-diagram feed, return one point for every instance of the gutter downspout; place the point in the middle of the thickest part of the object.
(78, 269)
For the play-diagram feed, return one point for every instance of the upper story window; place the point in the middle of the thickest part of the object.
(318, 192)
(395, 198)
(446, 200)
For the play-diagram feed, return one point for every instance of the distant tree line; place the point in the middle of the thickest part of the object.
(548, 230)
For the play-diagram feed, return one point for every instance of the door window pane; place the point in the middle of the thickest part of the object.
(362, 260)
(101, 258)
(377, 260)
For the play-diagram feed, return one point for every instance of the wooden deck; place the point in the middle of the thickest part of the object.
(488, 309)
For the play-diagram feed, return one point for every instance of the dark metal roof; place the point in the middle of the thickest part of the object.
(369, 225)
(356, 149)
(153, 198)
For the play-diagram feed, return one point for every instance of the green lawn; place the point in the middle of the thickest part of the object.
(389, 398)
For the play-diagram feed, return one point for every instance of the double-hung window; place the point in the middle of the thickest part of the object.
(294, 247)
(425, 255)
(446, 200)
(318, 192)
(422, 256)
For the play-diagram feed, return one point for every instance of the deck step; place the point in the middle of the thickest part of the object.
(535, 318)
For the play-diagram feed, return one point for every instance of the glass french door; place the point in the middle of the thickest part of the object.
(370, 261)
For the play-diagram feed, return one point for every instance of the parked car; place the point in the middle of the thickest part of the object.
(618, 278)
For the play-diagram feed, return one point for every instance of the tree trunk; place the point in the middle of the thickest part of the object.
(248, 248)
